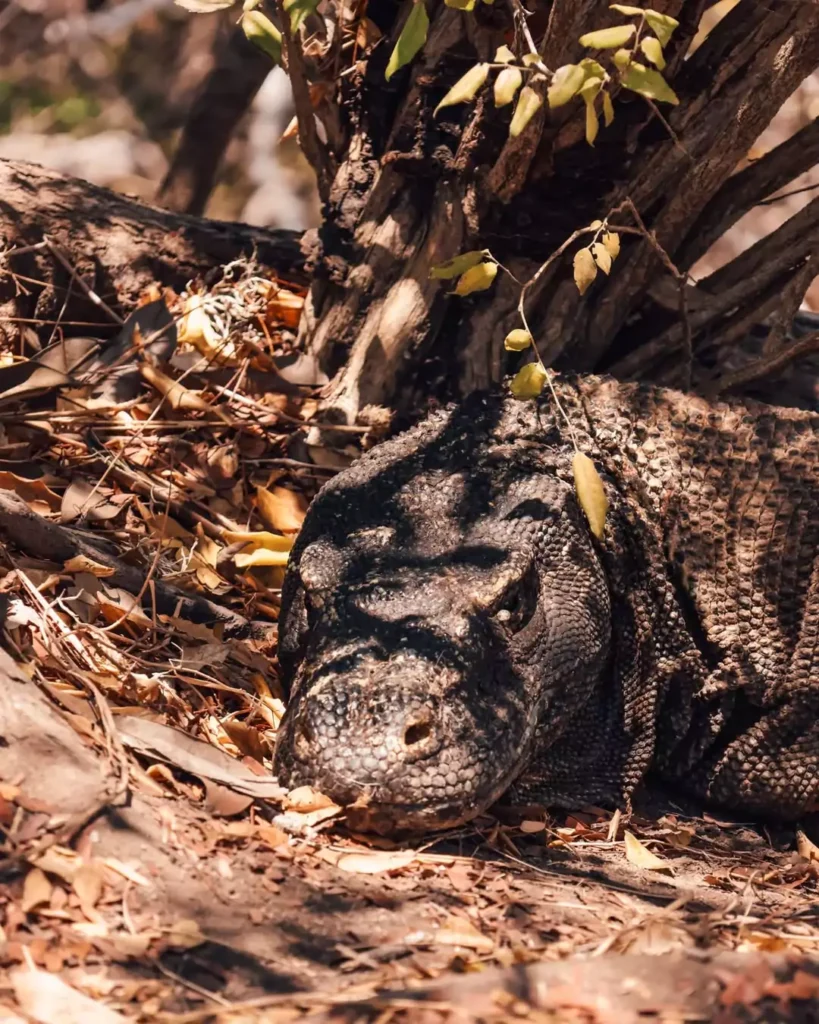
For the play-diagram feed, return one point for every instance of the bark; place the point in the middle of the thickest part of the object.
(411, 190)
(119, 246)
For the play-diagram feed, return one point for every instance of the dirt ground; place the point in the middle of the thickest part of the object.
(152, 478)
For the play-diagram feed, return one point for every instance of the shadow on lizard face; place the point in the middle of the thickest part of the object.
(409, 708)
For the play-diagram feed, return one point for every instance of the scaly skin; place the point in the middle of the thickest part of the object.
(451, 629)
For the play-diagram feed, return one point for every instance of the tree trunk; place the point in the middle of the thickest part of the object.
(119, 246)
(407, 190)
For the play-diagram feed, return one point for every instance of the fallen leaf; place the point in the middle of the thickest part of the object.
(642, 857)
(133, 945)
(175, 394)
(87, 884)
(805, 847)
(259, 557)
(281, 509)
(375, 862)
(272, 836)
(59, 861)
(224, 802)
(185, 934)
(46, 998)
(458, 931)
(36, 890)
(30, 490)
(304, 799)
(530, 827)
(196, 757)
(82, 563)
(284, 306)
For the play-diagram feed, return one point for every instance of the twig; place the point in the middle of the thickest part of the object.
(768, 364)
(58, 254)
(308, 136)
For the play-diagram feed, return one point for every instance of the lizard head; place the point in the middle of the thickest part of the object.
(432, 622)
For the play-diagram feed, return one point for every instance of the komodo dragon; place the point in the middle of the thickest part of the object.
(451, 629)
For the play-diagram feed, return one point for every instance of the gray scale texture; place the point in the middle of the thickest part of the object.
(451, 630)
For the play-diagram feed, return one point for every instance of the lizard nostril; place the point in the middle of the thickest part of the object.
(417, 733)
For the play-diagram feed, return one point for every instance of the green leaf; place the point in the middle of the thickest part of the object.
(261, 31)
(608, 38)
(602, 257)
(608, 109)
(461, 5)
(649, 83)
(466, 88)
(662, 24)
(653, 50)
(503, 55)
(298, 11)
(566, 84)
(476, 279)
(622, 59)
(506, 85)
(412, 38)
(590, 493)
(457, 265)
(628, 11)
(528, 381)
(585, 270)
(529, 102)
(517, 340)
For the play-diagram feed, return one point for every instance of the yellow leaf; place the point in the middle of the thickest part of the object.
(528, 381)
(585, 270)
(375, 862)
(602, 256)
(412, 38)
(466, 88)
(628, 11)
(517, 340)
(259, 557)
(506, 86)
(281, 508)
(566, 83)
(640, 856)
(529, 102)
(611, 240)
(622, 59)
(82, 563)
(649, 83)
(36, 890)
(608, 109)
(503, 55)
(476, 279)
(259, 539)
(663, 25)
(608, 38)
(261, 31)
(592, 124)
(653, 51)
(590, 492)
(457, 265)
